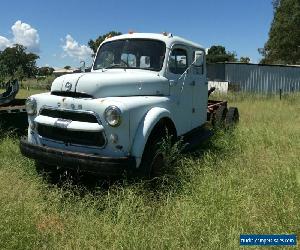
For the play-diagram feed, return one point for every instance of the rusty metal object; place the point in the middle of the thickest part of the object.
(11, 90)
(211, 90)
(212, 107)
(13, 114)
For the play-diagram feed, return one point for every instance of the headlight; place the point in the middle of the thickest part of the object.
(113, 116)
(30, 105)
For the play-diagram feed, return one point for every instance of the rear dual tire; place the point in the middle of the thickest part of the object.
(219, 117)
(232, 117)
(225, 118)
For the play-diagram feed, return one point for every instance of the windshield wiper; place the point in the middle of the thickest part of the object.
(152, 69)
(122, 66)
(115, 65)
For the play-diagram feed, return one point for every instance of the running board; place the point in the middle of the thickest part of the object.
(193, 140)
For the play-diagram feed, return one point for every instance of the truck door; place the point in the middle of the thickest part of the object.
(200, 89)
(180, 89)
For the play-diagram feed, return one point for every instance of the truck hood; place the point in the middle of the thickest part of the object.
(112, 83)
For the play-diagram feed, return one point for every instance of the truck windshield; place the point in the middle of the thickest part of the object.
(132, 54)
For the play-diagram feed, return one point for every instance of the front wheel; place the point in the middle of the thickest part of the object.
(153, 159)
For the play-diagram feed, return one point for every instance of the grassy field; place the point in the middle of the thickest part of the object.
(241, 182)
(24, 93)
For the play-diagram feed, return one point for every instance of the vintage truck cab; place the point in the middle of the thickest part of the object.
(110, 120)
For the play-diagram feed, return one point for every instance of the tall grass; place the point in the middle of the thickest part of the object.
(242, 181)
(24, 93)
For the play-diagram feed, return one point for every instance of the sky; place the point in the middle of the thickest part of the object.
(58, 31)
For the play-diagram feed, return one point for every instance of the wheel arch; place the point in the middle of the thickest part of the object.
(156, 118)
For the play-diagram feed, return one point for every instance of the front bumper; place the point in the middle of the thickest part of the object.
(104, 166)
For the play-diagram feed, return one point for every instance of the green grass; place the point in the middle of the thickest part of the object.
(245, 181)
(24, 93)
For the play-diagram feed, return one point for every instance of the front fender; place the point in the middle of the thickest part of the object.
(145, 127)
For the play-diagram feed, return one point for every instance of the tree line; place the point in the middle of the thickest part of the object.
(283, 45)
(17, 63)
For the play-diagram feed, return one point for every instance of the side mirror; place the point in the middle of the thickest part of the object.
(82, 67)
(199, 58)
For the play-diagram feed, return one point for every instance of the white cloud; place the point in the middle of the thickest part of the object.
(26, 35)
(73, 49)
(4, 43)
(23, 34)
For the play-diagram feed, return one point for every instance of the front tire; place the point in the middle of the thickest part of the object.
(153, 159)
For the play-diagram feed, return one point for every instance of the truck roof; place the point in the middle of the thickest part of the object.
(169, 39)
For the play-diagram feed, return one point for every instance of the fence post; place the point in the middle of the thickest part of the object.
(280, 93)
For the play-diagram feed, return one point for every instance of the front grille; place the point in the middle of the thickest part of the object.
(72, 137)
(67, 136)
(69, 115)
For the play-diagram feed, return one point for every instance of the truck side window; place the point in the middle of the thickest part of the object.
(178, 61)
(198, 67)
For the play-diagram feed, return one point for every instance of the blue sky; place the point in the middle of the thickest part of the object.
(59, 31)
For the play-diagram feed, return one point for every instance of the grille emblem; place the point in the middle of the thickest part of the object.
(68, 86)
(62, 123)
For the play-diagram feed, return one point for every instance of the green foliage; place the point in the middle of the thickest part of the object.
(67, 67)
(3, 72)
(283, 46)
(94, 44)
(172, 152)
(275, 4)
(15, 62)
(245, 59)
(45, 71)
(218, 53)
(242, 182)
(20, 74)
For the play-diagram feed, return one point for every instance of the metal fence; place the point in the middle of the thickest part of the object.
(255, 77)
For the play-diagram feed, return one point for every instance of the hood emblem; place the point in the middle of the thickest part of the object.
(68, 86)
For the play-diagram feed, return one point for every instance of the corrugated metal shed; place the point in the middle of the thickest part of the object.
(255, 77)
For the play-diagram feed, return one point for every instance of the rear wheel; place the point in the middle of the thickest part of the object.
(219, 117)
(232, 117)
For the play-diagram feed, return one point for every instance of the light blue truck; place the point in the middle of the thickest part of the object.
(110, 120)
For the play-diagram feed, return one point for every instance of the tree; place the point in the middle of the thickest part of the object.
(275, 4)
(67, 67)
(45, 71)
(15, 62)
(3, 71)
(19, 74)
(283, 45)
(218, 53)
(244, 59)
(94, 44)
